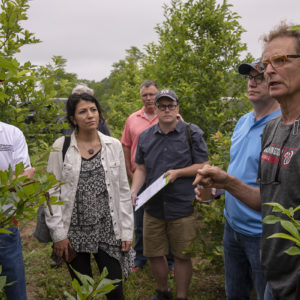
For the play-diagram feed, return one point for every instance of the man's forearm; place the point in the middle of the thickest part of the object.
(139, 178)
(190, 171)
(245, 193)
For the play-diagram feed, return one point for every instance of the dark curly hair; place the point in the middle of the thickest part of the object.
(74, 99)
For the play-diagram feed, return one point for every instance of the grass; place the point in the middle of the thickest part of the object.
(46, 283)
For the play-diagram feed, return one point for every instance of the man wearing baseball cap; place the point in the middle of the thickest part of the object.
(135, 124)
(243, 226)
(172, 149)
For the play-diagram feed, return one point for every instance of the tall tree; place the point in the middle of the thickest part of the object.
(197, 53)
(26, 90)
(122, 95)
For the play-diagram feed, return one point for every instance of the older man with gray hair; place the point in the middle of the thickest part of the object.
(279, 172)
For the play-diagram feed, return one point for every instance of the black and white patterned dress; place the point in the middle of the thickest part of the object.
(91, 225)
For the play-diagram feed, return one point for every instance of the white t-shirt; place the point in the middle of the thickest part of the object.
(13, 147)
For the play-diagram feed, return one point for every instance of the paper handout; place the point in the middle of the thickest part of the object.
(151, 190)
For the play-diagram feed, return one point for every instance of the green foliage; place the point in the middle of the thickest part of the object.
(29, 102)
(123, 94)
(291, 225)
(296, 27)
(89, 289)
(3, 284)
(210, 232)
(22, 195)
(55, 82)
(27, 91)
(221, 143)
(19, 198)
(197, 55)
(48, 283)
(12, 35)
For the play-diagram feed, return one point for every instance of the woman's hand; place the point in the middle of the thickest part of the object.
(133, 198)
(126, 245)
(61, 248)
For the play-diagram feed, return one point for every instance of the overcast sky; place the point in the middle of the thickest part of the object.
(94, 34)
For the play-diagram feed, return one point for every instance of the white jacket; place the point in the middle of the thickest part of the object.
(116, 183)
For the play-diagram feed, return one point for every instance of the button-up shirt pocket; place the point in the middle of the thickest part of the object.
(115, 169)
(67, 172)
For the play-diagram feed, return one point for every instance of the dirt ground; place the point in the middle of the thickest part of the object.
(26, 235)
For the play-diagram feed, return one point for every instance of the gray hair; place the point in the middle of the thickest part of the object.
(148, 83)
(283, 30)
(82, 88)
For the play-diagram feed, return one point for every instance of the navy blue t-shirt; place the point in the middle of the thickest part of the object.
(161, 152)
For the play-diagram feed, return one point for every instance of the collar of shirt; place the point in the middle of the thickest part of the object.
(179, 126)
(141, 113)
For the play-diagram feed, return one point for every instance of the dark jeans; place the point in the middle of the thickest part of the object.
(140, 259)
(242, 265)
(11, 260)
(82, 264)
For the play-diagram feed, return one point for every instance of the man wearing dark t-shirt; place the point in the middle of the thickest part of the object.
(279, 174)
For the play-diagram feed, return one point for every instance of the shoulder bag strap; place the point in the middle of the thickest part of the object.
(66, 145)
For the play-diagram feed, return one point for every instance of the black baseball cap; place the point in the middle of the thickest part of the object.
(166, 93)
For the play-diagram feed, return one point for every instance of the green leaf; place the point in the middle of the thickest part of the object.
(276, 206)
(271, 219)
(291, 228)
(107, 284)
(104, 273)
(19, 168)
(30, 189)
(4, 230)
(283, 236)
(83, 278)
(75, 284)
(2, 282)
(293, 251)
(296, 27)
(296, 209)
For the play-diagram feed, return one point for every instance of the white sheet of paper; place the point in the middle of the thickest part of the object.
(150, 191)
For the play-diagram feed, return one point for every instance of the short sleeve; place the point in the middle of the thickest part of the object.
(139, 156)
(20, 153)
(126, 139)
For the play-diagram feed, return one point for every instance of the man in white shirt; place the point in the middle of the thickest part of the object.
(13, 150)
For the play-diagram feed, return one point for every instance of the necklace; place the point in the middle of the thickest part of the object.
(90, 147)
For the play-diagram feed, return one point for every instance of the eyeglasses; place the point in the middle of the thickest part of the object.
(163, 107)
(258, 79)
(150, 95)
(275, 61)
